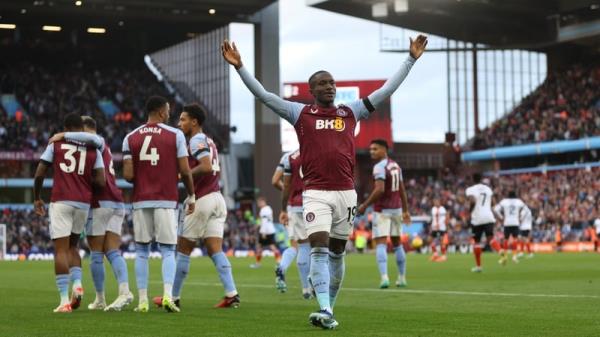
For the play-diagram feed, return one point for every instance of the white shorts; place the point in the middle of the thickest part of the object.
(105, 220)
(158, 224)
(66, 219)
(387, 225)
(208, 219)
(296, 228)
(329, 211)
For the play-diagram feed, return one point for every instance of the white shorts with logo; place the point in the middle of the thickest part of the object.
(66, 219)
(385, 224)
(329, 211)
(158, 224)
(208, 219)
(105, 220)
(296, 228)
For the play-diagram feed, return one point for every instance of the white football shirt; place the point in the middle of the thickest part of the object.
(438, 218)
(597, 225)
(527, 219)
(482, 213)
(266, 221)
(510, 209)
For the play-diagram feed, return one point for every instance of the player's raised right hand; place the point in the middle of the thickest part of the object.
(231, 54)
(38, 205)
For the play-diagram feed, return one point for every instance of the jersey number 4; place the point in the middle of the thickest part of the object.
(72, 161)
(151, 155)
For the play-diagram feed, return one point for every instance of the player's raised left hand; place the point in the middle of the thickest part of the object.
(57, 137)
(417, 46)
(39, 208)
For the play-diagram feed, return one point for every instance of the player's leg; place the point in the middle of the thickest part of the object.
(273, 247)
(477, 248)
(303, 257)
(443, 245)
(143, 228)
(185, 247)
(79, 220)
(96, 245)
(214, 246)
(381, 231)
(165, 220)
(60, 231)
(258, 251)
(95, 229)
(504, 250)
(514, 237)
(112, 244)
(318, 216)
(400, 254)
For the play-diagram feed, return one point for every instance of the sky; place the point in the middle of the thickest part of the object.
(312, 39)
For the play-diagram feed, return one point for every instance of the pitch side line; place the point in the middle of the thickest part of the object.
(408, 291)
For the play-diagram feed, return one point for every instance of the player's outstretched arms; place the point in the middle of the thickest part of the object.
(417, 47)
(82, 137)
(287, 110)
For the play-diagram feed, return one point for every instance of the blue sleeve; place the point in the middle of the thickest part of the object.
(48, 154)
(99, 162)
(181, 145)
(126, 150)
(388, 88)
(199, 146)
(290, 111)
(285, 162)
(361, 109)
(86, 138)
(379, 171)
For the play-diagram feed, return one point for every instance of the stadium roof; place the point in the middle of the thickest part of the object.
(499, 23)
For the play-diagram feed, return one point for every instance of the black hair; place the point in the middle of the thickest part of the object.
(381, 142)
(72, 121)
(512, 194)
(312, 77)
(89, 122)
(195, 111)
(154, 103)
(477, 177)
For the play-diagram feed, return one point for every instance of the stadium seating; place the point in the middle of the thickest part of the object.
(565, 107)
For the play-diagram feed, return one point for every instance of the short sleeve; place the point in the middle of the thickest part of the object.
(99, 162)
(48, 154)
(181, 146)
(285, 164)
(199, 146)
(125, 148)
(498, 208)
(379, 171)
(469, 192)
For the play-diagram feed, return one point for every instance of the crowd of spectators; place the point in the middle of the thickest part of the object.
(46, 93)
(565, 106)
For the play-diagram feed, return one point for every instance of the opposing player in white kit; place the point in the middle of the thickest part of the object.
(291, 216)
(482, 216)
(327, 148)
(439, 224)
(525, 232)
(103, 230)
(597, 227)
(509, 212)
(266, 232)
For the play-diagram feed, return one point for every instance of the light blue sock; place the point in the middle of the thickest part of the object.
(62, 283)
(119, 266)
(168, 263)
(182, 270)
(97, 268)
(75, 273)
(319, 275)
(337, 268)
(401, 259)
(286, 259)
(381, 255)
(142, 251)
(303, 262)
(224, 269)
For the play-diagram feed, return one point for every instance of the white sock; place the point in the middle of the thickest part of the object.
(100, 296)
(143, 295)
(231, 293)
(124, 288)
(168, 290)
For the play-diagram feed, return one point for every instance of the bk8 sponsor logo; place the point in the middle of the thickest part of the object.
(336, 124)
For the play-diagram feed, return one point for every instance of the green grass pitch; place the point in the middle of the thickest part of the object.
(549, 295)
